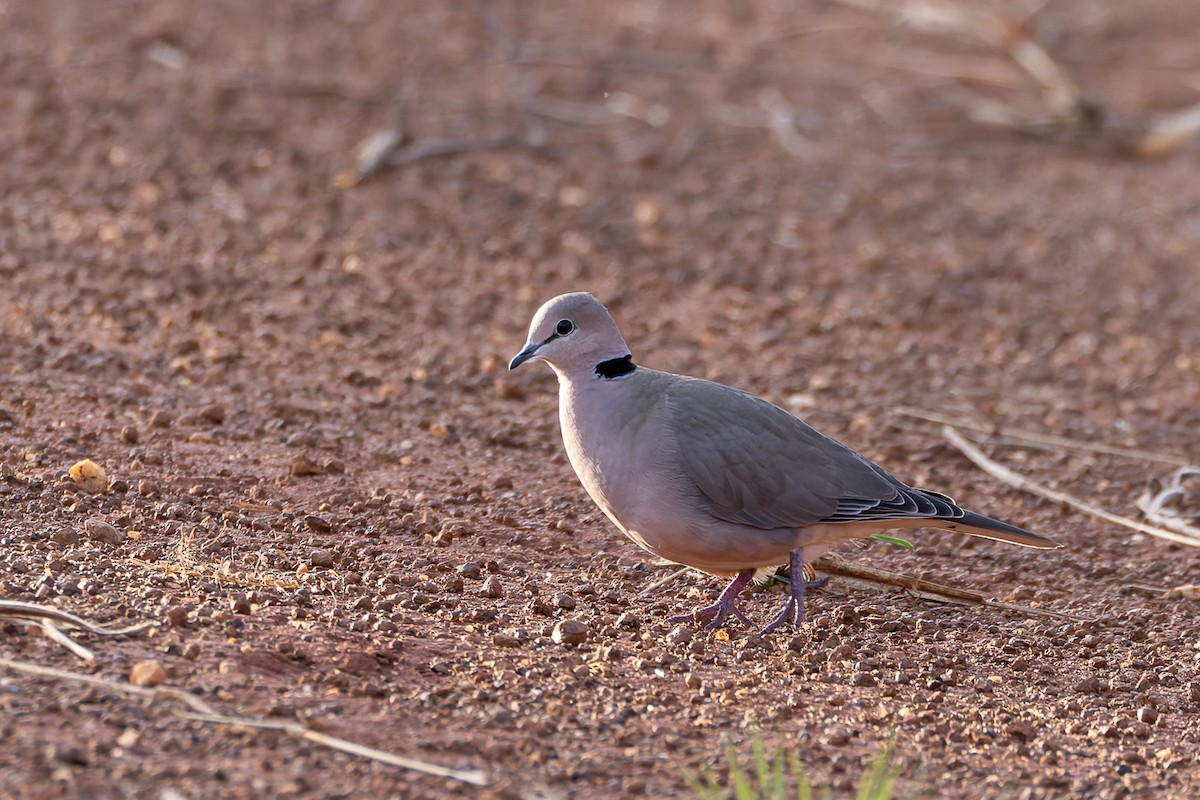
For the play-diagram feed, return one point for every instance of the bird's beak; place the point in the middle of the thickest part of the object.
(529, 352)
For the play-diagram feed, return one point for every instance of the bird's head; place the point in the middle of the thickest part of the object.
(574, 334)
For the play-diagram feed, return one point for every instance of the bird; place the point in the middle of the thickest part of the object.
(715, 478)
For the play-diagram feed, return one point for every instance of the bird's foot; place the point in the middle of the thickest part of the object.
(793, 609)
(718, 611)
(726, 604)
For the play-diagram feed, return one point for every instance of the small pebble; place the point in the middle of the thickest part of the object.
(89, 476)
(177, 616)
(492, 588)
(471, 569)
(317, 524)
(241, 604)
(65, 536)
(628, 619)
(100, 531)
(1147, 715)
(321, 558)
(569, 631)
(147, 673)
(680, 634)
(302, 466)
(564, 601)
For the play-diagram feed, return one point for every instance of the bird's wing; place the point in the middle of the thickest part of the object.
(755, 464)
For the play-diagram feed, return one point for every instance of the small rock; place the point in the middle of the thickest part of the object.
(1147, 715)
(628, 619)
(569, 631)
(65, 536)
(471, 569)
(89, 476)
(147, 673)
(161, 419)
(321, 558)
(317, 524)
(492, 588)
(214, 414)
(680, 634)
(130, 435)
(100, 531)
(564, 601)
(506, 640)
(177, 616)
(241, 604)
(67, 754)
(302, 466)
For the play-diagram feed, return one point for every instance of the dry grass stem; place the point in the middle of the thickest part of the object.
(662, 581)
(472, 776)
(1006, 475)
(53, 633)
(1155, 504)
(999, 434)
(926, 590)
(202, 712)
(17, 608)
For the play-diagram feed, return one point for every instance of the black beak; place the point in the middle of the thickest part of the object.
(529, 352)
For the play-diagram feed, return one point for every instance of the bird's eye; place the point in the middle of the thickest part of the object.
(564, 327)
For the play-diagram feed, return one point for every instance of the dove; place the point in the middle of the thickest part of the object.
(714, 478)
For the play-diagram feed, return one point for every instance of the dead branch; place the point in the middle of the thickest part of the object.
(473, 776)
(662, 581)
(1167, 134)
(1065, 112)
(450, 147)
(17, 608)
(1155, 504)
(202, 712)
(927, 590)
(1005, 475)
(54, 633)
(1000, 434)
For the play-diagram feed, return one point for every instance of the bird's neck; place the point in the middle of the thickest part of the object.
(614, 368)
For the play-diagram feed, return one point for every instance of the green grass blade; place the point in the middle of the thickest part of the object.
(893, 540)
(880, 776)
(803, 787)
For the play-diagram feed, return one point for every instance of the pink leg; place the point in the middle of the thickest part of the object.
(794, 607)
(724, 606)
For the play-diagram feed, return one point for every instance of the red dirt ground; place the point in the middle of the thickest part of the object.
(344, 512)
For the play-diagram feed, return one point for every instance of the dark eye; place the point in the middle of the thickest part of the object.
(564, 327)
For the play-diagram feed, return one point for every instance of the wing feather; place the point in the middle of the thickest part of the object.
(758, 465)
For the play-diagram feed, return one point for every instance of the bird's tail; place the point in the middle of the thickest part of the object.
(974, 524)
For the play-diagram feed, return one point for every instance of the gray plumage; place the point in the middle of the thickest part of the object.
(712, 477)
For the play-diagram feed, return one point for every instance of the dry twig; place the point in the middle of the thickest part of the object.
(999, 434)
(662, 581)
(202, 712)
(1064, 109)
(1155, 504)
(54, 633)
(927, 590)
(17, 608)
(1006, 475)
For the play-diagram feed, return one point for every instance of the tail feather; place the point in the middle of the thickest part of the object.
(978, 525)
(972, 524)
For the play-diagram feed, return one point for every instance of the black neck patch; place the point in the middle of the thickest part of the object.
(616, 367)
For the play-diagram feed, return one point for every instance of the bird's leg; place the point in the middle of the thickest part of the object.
(794, 607)
(724, 606)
